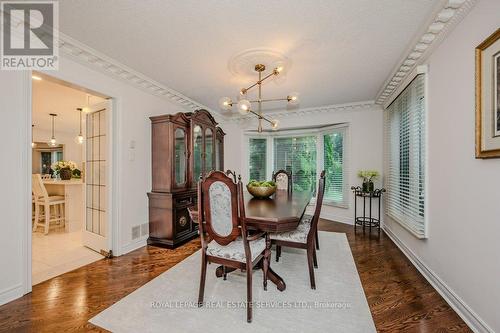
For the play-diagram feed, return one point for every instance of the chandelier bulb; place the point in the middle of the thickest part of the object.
(293, 98)
(225, 103)
(244, 106)
(275, 124)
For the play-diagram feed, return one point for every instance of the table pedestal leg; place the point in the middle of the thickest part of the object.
(276, 279)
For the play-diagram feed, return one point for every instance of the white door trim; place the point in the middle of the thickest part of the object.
(113, 225)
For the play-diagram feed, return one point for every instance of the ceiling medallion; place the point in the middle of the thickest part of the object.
(244, 105)
(242, 64)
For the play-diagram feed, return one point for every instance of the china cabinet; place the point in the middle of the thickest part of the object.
(185, 146)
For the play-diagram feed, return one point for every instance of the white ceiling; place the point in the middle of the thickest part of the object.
(341, 50)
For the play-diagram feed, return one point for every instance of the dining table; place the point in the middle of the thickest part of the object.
(279, 213)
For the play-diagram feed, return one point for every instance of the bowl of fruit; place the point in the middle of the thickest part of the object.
(262, 189)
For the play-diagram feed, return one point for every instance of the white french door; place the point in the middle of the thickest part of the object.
(96, 230)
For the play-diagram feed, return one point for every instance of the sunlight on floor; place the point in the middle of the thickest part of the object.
(57, 253)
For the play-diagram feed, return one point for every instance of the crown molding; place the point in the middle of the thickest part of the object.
(444, 20)
(306, 111)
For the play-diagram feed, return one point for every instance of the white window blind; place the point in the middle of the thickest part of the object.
(406, 157)
(334, 166)
(257, 158)
(298, 155)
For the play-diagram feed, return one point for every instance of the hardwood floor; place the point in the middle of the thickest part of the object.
(400, 299)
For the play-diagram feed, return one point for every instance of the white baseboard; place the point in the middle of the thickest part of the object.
(461, 308)
(337, 218)
(11, 294)
(134, 245)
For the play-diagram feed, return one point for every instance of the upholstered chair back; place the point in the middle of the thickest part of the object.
(283, 180)
(319, 203)
(219, 207)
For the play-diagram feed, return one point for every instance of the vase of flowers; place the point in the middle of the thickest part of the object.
(64, 169)
(368, 177)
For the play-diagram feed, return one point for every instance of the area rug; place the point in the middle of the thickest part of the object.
(168, 302)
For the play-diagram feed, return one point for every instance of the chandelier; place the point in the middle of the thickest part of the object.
(244, 105)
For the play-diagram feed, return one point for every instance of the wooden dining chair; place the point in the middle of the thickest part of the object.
(224, 237)
(283, 180)
(42, 199)
(304, 237)
(231, 173)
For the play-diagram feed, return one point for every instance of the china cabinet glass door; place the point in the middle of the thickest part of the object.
(197, 153)
(209, 150)
(180, 161)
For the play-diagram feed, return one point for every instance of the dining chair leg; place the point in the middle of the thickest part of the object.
(63, 214)
(317, 239)
(47, 218)
(267, 259)
(57, 213)
(37, 216)
(249, 294)
(315, 259)
(310, 250)
(202, 279)
(278, 252)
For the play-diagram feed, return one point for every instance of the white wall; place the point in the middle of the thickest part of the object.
(464, 212)
(132, 109)
(364, 147)
(14, 167)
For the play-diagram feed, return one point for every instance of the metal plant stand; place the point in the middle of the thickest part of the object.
(367, 220)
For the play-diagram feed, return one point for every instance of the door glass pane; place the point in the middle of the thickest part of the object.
(95, 176)
(209, 150)
(197, 148)
(180, 156)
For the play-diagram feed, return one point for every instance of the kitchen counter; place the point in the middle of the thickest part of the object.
(73, 191)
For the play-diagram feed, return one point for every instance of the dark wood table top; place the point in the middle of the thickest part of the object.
(281, 212)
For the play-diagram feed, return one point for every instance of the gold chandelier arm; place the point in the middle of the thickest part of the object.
(271, 100)
(261, 116)
(244, 90)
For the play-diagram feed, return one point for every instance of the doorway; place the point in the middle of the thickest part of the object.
(70, 160)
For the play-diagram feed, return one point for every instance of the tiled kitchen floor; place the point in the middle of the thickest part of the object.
(57, 253)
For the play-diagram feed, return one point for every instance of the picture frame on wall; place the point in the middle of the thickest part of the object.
(488, 97)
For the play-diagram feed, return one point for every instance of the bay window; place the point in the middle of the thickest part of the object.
(305, 153)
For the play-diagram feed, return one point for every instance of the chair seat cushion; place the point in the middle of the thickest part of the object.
(298, 235)
(236, 250)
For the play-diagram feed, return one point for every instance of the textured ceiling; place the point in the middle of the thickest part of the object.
(341, 51)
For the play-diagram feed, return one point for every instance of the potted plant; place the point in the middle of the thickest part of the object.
(64, 169)
(368, 177)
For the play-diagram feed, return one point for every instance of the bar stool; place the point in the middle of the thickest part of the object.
(42, 199)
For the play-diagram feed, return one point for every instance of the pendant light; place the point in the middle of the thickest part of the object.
(52, 142)
(79, 139)
(33, 144)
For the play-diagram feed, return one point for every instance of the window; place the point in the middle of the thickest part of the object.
(305, 153)
(257, 159)
(298, 155)
(336, 173)
(405, 145)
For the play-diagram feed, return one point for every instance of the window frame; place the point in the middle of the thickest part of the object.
(319, 133)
